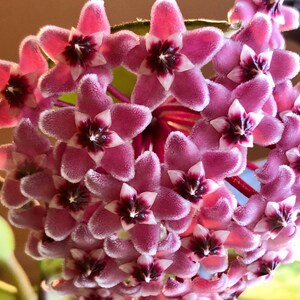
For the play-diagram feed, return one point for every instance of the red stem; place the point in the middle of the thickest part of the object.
(241, 186)
(116, 93)
(60, 103)
(252, 166)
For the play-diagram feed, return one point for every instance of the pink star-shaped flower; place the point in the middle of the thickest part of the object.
(168, 59)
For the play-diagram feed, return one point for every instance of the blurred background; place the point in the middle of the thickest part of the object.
(21, 18)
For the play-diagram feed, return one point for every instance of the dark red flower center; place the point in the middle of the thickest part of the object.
(163, 57)
(73, 196)
(266, 267)
(89, 267)
(26, 168)
(272, 6)
(253, 66)
(94, 136)
(204, 246)
(281, 218)
(16, 91)
(148, 273)
(239, 129)
(192, 187)
(133, 209)
(80, 50)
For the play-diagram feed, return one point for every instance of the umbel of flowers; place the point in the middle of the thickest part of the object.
(134, 192)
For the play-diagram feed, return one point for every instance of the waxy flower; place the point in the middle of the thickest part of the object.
(168, 59)
(19, 97)
(237, 128)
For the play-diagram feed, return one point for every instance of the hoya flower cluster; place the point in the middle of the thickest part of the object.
(134, 192)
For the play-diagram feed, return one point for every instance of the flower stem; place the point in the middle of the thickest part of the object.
(241, 186)
(252, 166)
(60, 103)
(116, 93)
(18, 278)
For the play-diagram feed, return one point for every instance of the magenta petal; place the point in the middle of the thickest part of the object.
(257, 33)
(253, 94)
(284, 65)
(129, 120)
(11, 196)
(31, 58)
(291, 135)
(182, 265)
(181, 225)
(102, 185)
(214, 263)
(241, 238)
(178, 145)
(228, 160)
(82, 237)
(93, 18)
(228, 57)
(57, 81)
(119, 162)
(6, 162)
(291, 18)
(53, 40)
(59, 224)
(29, 140)
(145, 238)
(190, 89)
(31, 218)
(74, 169)
(268, 131)
(208, 287)
(38, 186)
(31, 247)
(200, 45)
(103, 223)
(166, 19)
(147, 163)
(169, 205)
(174, 288)
(148, 91)
(91, 96)
(119, 249)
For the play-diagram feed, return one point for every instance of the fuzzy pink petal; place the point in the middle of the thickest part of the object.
(268, 131)
(169, 205)
(291, 18)
(31, 218)
(59, 224)
(242, 238)
(166, 19)
(91, 96)
(219, 101)
(145, 238)
(181, 225)
(74, 169)
(170, 244)
(6, 162)
(243, 10)
(130, 120)
(214, 263)
(178, 145)
(119, 249)
(229, 161)
(291, 135)
(53, 40)
(11, 196)
(57, 81)
(7, 120)
(208, 287)
(119, 162)
(253, 94)
(31, 58)
(59, 123)
(103, 223)
(190, 89)
(174, 288)
(257, 33)
(38, 186)
(5, 69)
(93, 18)
(116, 46)
(82, 237)
(148, 91)
(284, 65)
(200, 45)
(102, 185)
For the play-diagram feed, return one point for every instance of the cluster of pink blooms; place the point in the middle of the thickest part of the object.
(134, 194)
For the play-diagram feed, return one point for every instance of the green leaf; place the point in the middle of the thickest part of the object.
(124, 81)
(7, 240)
(283, 286)
(51, 267)
(141, 27)
(69, 98)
